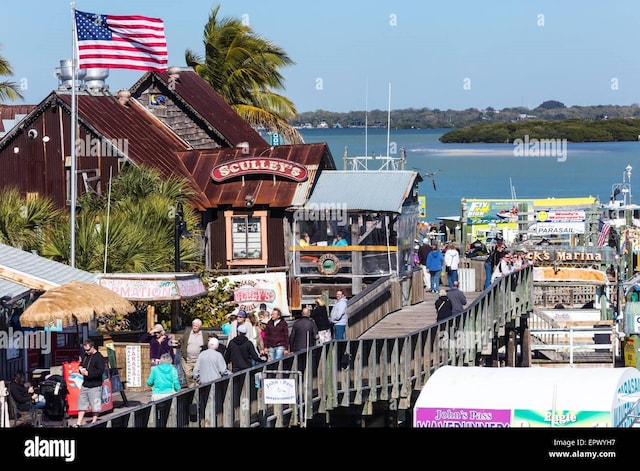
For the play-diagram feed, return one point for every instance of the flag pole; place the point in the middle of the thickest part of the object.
(74, 119)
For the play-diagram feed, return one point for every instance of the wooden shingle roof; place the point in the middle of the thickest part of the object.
(204, 103)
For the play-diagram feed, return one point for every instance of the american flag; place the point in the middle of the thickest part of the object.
(603, 233)
(120, 42)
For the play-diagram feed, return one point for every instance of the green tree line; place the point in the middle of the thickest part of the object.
(426, 118)
(573, 130)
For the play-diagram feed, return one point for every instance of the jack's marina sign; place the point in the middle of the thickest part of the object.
(573, 255)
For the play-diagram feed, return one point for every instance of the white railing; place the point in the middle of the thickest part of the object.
(576, 339)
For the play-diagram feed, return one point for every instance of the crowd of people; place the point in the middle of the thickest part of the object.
(263, 335)
(200, 357)
(439, 260)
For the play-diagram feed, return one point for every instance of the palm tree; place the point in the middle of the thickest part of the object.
(23, 221)
(8, 90)
(135, 232)
(243, 68)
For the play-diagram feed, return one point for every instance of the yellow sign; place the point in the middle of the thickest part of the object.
(630, 352)
(422, 202)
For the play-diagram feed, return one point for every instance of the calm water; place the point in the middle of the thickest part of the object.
(487, 170)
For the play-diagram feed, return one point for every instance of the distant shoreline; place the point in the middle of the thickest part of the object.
(426, 118)
(570, 130)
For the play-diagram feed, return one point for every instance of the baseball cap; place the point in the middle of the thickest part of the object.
(263, 307)
(242, 329)
(242, 314)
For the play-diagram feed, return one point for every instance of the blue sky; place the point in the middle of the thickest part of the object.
(435, 54)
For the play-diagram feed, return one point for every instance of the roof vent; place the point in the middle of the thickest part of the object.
(123, 97)
(174, 76)
(244, 146)
(94, 79)
(65, 77)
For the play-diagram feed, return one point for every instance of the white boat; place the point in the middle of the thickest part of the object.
(620, 211)
(383, 162)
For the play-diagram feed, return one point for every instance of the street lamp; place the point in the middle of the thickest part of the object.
(179, 226)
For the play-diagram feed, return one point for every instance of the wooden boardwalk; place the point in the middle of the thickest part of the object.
(410, 318)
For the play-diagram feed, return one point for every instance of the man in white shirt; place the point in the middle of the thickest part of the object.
(451, 262)
(193, 341)
(338, 316)
(210, 364)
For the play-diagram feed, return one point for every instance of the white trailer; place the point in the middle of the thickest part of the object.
(528, 397)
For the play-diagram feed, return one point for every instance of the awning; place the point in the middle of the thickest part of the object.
(570, 274)
(73, 303)
(154, 286)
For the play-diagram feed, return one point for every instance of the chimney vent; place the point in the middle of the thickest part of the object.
(91, 79)
(65, 77)
(123, 97)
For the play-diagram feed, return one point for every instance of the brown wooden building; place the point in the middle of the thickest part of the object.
(249, 194)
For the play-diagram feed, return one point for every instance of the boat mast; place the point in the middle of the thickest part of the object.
(389, 121)
(366, 120)
(627, 171)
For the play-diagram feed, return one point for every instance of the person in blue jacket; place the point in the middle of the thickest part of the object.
(435, 260)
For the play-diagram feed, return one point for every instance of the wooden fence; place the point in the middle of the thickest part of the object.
(357, 374)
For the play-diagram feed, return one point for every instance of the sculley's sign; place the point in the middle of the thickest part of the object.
(259, 165)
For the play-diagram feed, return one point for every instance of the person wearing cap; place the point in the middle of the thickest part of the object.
(241, 319)
(210, 364)
(240, 351)
(159, 343)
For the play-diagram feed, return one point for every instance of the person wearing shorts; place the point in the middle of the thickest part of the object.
(91, 368)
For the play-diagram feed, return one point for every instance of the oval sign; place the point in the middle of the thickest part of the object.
(328, 264)
(259, 165)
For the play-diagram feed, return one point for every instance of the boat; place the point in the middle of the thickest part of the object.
(384, 162)
(620, 211)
